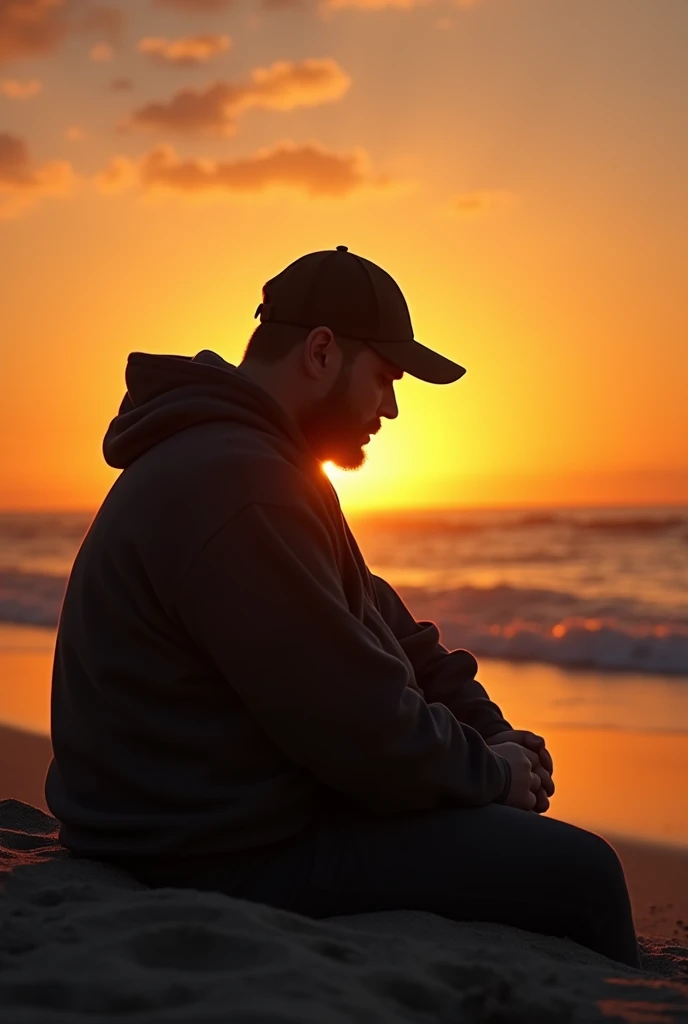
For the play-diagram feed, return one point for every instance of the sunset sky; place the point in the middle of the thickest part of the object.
(519, 167)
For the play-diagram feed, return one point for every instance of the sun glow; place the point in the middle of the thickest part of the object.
(529, 293)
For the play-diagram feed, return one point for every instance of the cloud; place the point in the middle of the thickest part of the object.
(197, 6)
(121, 85)
(185, 52)
(284, 5)
(214, 110)
(31, 28)
(101, 53)
(105, 22)
(74, 133)
(310, 169)
(328, 6)
(374, 5)
(479, 202)
(22, 185)
(120, 174)
(16, 90)
(35, 28)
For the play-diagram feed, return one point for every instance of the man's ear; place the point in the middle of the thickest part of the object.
(319, 348)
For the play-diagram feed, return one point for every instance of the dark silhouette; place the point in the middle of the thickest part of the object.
(239, 704)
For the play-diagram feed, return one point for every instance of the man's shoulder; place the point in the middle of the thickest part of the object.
(176, 497)
(221, 462)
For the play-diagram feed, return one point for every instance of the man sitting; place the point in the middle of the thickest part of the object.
(239, 704)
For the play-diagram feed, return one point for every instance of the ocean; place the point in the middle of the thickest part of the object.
(596, 588)
(600, 588)
(578, 618)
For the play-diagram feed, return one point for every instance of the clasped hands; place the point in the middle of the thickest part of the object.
(527, 780)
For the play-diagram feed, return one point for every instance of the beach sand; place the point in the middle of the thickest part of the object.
(84, 941)
(81, 940)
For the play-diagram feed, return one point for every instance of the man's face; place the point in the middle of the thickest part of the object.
(338, 425)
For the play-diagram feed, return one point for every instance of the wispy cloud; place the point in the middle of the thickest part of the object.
(101, 53)
(104, 22)
(21, 184)
(286, 5)
(185, 52)
(310, 169)
(197, 6)
(373, 5)
(16, 90)
(471, 204)
(120, 174)
(35, 28)
(31, 28)
(121, 85)
(214, 110)
(326, 8)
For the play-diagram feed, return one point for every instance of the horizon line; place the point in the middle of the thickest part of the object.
(495, 507)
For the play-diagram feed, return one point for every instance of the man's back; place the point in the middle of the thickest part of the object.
(222, 667)
(150, 741)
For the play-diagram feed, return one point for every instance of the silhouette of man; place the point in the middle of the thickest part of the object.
(239, 704)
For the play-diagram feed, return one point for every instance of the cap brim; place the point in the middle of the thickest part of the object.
(419, 361)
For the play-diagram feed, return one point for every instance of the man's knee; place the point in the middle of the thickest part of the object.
(601, 860)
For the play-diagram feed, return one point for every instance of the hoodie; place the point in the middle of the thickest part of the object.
(226, 667)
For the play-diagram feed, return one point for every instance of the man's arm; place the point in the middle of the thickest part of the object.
(264, 602)
(446, 677)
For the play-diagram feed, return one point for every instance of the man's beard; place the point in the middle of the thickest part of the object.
(332, 429)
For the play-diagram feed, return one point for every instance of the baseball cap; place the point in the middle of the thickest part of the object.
(355, 298)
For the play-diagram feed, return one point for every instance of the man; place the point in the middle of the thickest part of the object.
(239, 704)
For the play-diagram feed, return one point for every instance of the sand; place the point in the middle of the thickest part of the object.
(84, 941)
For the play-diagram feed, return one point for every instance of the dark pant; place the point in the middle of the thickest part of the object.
(492, 863)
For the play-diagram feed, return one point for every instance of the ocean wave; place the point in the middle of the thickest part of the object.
(502, 603)
(513, 623)
(648, 525)
(400, 523)
(555, 627)
(18, 528)
(453, 523)
(30, 598)
(606, 648)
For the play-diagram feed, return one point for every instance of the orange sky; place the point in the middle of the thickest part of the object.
(518, 166)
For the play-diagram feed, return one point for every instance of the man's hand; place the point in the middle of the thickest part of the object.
(542, 765)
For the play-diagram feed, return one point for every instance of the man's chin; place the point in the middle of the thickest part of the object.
(352, 458)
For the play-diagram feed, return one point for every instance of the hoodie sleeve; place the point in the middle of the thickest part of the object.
(444, 676)
(264, 601)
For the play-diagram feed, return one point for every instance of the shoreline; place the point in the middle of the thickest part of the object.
(656, 874)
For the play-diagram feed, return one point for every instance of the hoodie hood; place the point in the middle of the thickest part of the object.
(168, 394)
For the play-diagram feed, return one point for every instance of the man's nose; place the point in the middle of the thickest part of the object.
(389, 408)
